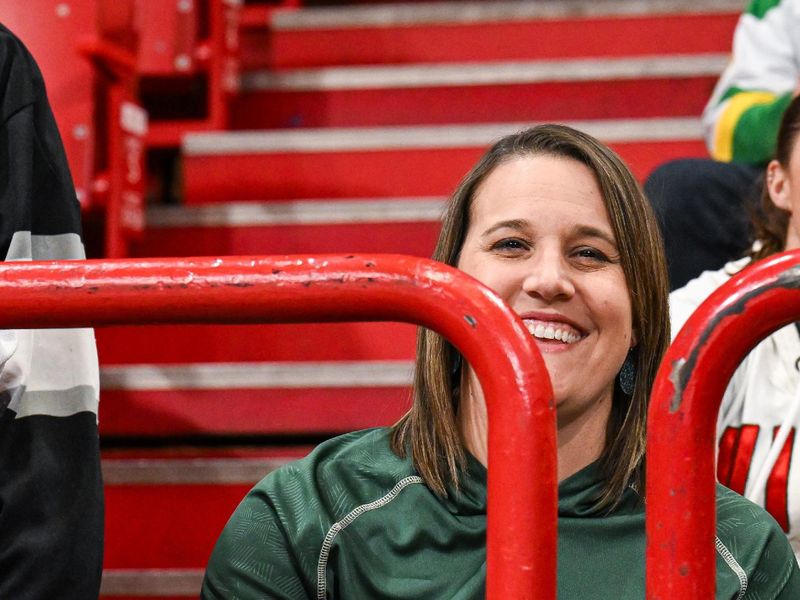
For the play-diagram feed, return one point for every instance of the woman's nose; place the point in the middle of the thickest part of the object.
(548, 277)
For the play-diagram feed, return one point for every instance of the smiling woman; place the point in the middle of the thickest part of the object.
(553, 222)
(540, 237)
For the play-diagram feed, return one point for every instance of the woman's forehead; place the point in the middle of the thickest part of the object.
(539, 186)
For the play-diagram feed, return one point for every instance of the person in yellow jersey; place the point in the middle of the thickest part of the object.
(703, 205)
(557, 226)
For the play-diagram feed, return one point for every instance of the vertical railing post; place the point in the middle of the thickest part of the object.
(681, 507)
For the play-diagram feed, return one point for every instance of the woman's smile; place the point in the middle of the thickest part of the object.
(552, 332)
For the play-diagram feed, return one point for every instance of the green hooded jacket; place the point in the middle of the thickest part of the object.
(354, 521)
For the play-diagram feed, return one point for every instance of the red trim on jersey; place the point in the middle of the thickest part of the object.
(736, 449)
(777, 494)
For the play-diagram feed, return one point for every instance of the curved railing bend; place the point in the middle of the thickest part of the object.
(521, 538)
(681, 509)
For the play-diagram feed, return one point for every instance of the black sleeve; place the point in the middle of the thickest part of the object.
(51, 502)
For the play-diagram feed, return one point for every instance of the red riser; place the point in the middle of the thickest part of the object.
(620, 36)
(368, 174)
(173, 526)
(365, 174)
(416, 239)
(166, 526)
(115, 457)
(180, 344)
(249, 412)
(643, 157)
(557, 101)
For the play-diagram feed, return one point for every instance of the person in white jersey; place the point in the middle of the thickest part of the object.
(759, 447)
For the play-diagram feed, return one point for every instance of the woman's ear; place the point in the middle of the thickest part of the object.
(778, 186)
(634, 339)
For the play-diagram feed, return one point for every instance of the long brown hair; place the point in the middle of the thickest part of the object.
(771, 223)
(430, 431)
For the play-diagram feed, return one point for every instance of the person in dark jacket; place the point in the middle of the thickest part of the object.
(51, 501)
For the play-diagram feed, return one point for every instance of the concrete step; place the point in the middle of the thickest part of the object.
(479, 31)
(389, 161)
(279, 343)
(626, 87)
(165, 509)
(364, 226)
(252, 399)
(222, 380)
(153, 584)
(275, 379)
(383, 145)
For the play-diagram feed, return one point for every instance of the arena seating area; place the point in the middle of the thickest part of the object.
(347, 129)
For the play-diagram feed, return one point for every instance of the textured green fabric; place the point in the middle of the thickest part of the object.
(758, 8)
(418, 546)
(756, 131)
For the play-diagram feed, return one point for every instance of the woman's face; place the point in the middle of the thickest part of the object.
(540, 237)
(784, 189)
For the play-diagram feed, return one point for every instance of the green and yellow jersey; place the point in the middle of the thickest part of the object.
(742, 117)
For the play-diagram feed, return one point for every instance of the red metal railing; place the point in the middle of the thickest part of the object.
(136, 40)
(119, 180)
(681, 509)
(521, 539)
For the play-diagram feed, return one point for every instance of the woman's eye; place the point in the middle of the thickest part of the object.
(510, 245)
(591, 254)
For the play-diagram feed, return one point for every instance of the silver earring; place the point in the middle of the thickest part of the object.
(627, 374)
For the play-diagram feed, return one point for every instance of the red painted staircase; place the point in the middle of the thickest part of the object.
(351, 127)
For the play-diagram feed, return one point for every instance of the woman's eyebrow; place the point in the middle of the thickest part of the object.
(590, 231)
(517, 224)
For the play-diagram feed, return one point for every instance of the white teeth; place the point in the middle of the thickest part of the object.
(552, 332)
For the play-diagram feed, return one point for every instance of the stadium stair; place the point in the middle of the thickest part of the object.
(352, 125)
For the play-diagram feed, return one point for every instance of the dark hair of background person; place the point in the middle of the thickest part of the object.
(771, 223)
(429, 431)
